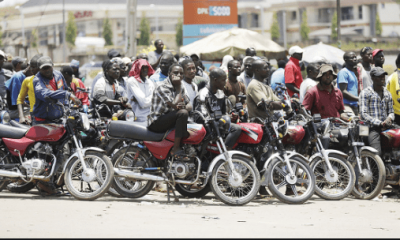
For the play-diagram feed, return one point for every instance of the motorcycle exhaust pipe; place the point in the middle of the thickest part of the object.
(10, 174)
(138, 176)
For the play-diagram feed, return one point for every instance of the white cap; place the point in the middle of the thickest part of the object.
(126, 60)
(295, 49)
(3, 54)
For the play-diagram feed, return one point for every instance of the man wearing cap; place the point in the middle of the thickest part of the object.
(378, 57)
(75, 67)
(49, 83)
(293, 78)
(76, 86)
(348, 83)
(155, 56)
(324, 98)
(17, 63)
(376, 107)
(393, 85)
(3, 73)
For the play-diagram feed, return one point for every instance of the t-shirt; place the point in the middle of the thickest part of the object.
(347, 76)
(277, 77)
(305, 86)
(191, 90)
(255, 92)
(27, 88)
(328, 104)
(235, 89)
(365, 76)
(153, 57)
(158, 79)
(293, 74)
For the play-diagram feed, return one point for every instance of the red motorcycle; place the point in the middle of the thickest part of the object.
(32, 154)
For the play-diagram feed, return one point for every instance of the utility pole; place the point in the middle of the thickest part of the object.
(339, 16)
(131, 27)
(63, 34)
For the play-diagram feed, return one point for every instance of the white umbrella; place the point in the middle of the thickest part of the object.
(233, 42)
(315, 53)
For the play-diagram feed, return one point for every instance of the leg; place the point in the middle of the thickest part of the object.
(233, 135)
(180, 129)
(374, 140)
(397, 119)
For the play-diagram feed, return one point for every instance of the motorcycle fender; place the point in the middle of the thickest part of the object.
(221, 157)
(84, 150)
(367, 148)
(111, 146)
(329, 152)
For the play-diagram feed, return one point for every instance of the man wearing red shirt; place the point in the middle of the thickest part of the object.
(324, 98)
(293, 78)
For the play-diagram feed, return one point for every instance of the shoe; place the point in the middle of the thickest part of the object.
(48, 188)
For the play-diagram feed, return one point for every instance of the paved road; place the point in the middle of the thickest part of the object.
(31, 215)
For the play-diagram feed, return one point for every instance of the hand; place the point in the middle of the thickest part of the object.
(133, 99)
(180, 105)
(344, 117)
(75, 100)
(387, 123)
(234, 117)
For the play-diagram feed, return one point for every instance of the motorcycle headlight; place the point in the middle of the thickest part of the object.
(283, 128)
(85, 122)
(4, 117)
(363, 131)
(326, 126)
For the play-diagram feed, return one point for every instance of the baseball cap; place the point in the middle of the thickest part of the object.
(325, 68)
(17, 60)
(295, 49)
(3, 54)
(113, 54)
(376, 52)
(45, 61)
(377, 71)
(74, 63)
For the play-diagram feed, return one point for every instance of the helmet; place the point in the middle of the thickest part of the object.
(225, 124)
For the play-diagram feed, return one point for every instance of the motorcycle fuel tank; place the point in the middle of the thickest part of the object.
(252, 133)
(197, 133)
(390, 138)
(295, 135)
(46, 132)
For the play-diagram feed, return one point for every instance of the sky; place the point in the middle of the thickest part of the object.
(7, 3)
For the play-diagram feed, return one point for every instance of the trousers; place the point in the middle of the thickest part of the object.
(177, 119)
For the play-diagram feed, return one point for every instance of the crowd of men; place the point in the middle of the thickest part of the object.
(163, 89)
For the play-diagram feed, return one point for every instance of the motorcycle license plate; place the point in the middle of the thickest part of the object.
(358, 144)
(363, 131)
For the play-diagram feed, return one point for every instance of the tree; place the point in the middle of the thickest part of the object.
(378, 25)
(107, 31)
(304, 29)
(72, 29)
(334, 34)
(34, 38)
(179, 33)
(275, 33)
(144, 31)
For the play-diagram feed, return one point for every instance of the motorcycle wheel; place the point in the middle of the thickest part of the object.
(364, 188)
(340, 185)
(4, 159)
(192, 191)
(131, 188)
(20, 188)
(304, 181)
(75, 179)
(231, 192)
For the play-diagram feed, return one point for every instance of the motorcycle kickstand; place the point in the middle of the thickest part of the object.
(169, 186)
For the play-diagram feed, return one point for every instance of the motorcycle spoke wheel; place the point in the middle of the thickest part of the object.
(4, 159)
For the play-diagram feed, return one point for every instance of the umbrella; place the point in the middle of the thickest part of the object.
(233, 42)
(317, 52)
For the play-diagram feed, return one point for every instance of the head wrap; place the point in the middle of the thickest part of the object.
(137, 67)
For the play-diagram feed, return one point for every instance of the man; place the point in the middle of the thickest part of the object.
(155, 56)
(293, 78)
(251, 52)
(75, 68)
(364, 68)
(143, 56)
(199, 67)
(76, 86)
(17, 63)
(3, 74)
(256, 91)
(189, 74)
(311, 80)
(212, 99)
(166, 61)
(233, 86)
(112, 53)
(393, 86)
(376, 107)
(279, 75)
(324, 98)
(348, 83)
(247, 75)
(240, 58)
(378, 58)
(49, 83)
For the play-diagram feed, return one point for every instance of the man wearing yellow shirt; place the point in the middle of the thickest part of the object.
(393, 86)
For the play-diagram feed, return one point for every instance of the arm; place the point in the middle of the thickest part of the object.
(292, 88)
(42, 92)
(141, 98)
(257, 94)
(290, 79)
(346, 94)
(308, 101)
(363, 103)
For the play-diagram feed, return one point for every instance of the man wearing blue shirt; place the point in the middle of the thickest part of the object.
(158, 78)
(348, 83)
(279, 75)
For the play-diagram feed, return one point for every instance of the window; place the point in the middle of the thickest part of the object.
(42, 36)
(347, 13)
(360, 16)
(383, 5)
(240, 25)
(294, 16)
(60, 33)
(324, 15)
(254, 20)
(81, 26)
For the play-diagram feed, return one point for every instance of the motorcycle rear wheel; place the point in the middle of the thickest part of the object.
(245, 191)
(304, 184)
(368, 190)
(192, 191)
(326, 186)
(131, 188)
(4, 159)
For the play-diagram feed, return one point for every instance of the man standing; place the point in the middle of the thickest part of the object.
(233, 86)
(251, 52)
(279, 75)
(364, 67)
(293, 78)
(256, 91)
(378, 58)
(75, 68)
(76, 86)
(155, 56)
(17, 63)
(393, 86)
(348, 83)
(189, 74)
(376, 107)
(3, 73)
(247, 75)
(311, 80)
(166, 61)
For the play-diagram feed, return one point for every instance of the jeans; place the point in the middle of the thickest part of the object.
(233, 135)
(34, 122)
(177, 119)
(374, 139)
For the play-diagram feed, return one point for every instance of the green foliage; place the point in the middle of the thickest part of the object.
(378, 25)
(304, 29)
(334, 34)
(71, 31)
(144, 31)
(275, 34)
(34, 38)
(107, 31)
(179, 33)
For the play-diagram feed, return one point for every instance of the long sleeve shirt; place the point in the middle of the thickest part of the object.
(374, 109)
(143, 93)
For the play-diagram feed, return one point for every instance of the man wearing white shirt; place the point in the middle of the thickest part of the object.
(311, 80)
(189, 73)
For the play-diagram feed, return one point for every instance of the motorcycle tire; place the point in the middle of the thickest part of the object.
(129, 187)
(74, 172)
(4, 159)
(222, 184)
(20, 188)
(186, 191)
(326, 187)
(276, 173)
(363, 190)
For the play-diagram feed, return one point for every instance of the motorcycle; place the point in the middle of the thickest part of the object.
(231, 175)
(32, 154)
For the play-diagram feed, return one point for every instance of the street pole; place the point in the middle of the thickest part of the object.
(339, 16)
(63, 34)
(156, 22)
(131, 27)
(284, 25)
(23, 28)
(262, 19)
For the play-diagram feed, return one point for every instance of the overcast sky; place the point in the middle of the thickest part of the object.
(7, 3)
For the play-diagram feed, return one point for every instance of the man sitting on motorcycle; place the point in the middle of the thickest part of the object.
(76, 86)
(376, 107)
(212, 99)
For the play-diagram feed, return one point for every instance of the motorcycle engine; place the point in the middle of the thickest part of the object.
(392, 156)
(184, 165)
(34, 166)
(392, 172)
(39, 156)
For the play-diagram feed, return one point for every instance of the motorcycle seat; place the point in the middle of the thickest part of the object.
(19, 125)
(12, 132)
(134, 131)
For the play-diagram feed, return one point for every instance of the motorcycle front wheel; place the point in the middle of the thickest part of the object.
(337, 185)
(239, 191)
(296, 190)
(85, 184)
